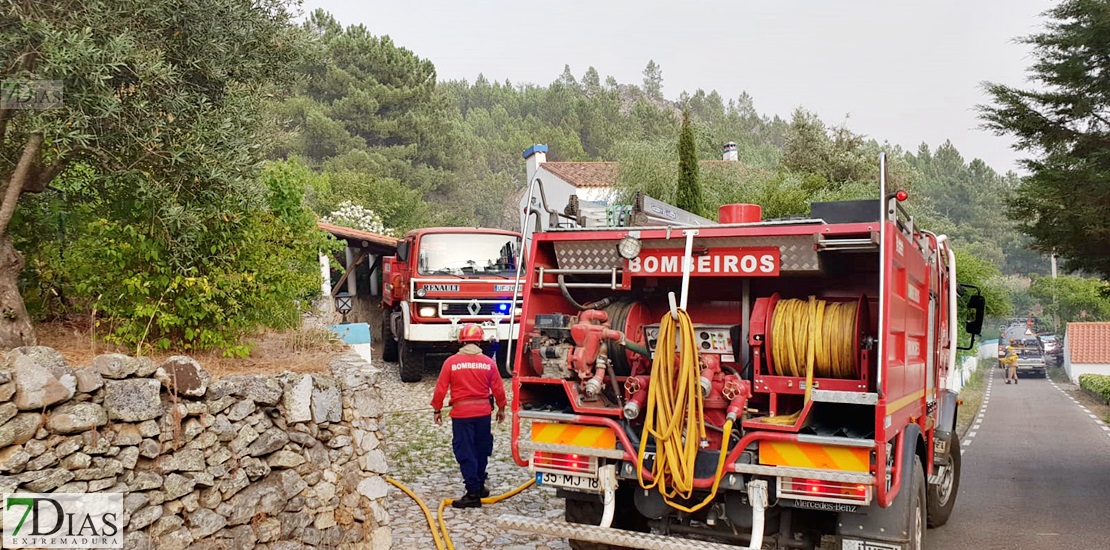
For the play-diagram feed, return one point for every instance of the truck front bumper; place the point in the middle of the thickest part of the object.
(447, 332)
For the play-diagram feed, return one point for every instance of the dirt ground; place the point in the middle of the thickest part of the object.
(304, 350)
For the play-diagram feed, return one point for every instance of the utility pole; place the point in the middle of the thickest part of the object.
(1055, 305)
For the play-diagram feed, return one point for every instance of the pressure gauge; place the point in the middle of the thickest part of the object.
(629, 247)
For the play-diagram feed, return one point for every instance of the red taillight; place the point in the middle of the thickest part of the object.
(901, 195)
(833, 489)
(562, 461)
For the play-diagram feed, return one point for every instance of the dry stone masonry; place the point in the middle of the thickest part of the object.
(244, 462)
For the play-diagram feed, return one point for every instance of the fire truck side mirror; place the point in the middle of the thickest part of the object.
(403, 249)
(976, 308)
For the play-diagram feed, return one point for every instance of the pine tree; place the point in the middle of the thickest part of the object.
(688, 195)
(653, 80)
(1064, 204)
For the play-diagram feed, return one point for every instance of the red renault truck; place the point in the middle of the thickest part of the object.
(745, 382)
(440, 279)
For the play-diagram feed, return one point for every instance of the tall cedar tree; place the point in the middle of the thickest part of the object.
(1064, 125)
(689, 196)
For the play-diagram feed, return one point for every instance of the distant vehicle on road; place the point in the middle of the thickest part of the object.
(1053, 350)
(1029, 348)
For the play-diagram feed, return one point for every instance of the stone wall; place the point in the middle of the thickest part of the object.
(243, 462)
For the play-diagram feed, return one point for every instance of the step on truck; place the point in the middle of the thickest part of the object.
(440, 279)
(684, 383)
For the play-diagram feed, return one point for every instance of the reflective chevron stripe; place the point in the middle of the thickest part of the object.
(595, 437)
(809, 455)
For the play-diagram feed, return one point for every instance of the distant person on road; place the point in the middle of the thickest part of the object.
(474, 383)
(1010, 363)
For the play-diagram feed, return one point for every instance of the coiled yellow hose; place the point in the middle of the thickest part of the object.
(814, 330)
(445, 543)
(676, 417)
(812, 338)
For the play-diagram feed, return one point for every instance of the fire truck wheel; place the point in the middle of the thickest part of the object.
(389, 341)
(411, 362)
(942, 496)
(589, 511)
(918, 521)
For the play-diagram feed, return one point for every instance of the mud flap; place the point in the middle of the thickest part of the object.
(890, 527)
(948, 406)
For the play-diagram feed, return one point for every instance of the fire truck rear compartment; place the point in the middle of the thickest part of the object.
(835, 269)
(720, 307)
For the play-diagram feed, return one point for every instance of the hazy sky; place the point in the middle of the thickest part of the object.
(899, 71)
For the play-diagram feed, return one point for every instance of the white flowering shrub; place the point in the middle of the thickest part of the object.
(359, 217)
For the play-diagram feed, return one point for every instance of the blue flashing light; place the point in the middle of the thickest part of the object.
(503, 308)
(537, 148)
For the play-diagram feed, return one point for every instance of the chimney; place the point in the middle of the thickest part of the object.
(535, 155)
(728, 152)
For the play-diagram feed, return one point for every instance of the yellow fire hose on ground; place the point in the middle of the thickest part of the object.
(811, 338)
(439, 533)
(676, 418)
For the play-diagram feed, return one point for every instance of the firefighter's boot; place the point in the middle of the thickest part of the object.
(484, 492)
(469, 500)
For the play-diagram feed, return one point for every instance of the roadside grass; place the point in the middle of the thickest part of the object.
(1057, 374)
(972, 396)
(1097, 404)
(308, 348)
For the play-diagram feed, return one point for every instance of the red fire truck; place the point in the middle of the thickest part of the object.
(767, 383)
(440, 279)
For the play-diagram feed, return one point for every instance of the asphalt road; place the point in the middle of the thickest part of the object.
(1036, 474)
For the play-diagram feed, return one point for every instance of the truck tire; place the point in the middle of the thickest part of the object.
(589, 512)
(389, 340)
(410, 362)
(942, 496)
(918, 506)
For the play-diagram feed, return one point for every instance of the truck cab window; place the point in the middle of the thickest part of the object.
(467, 254)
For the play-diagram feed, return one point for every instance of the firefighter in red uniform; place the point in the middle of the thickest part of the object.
(474, 383)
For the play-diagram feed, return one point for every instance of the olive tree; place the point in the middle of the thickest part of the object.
(152, 106)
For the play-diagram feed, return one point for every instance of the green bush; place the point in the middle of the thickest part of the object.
(1098, 384)
(198, 273)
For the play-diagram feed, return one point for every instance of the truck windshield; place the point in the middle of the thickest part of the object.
(468, 254)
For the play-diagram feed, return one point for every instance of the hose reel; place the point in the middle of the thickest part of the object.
(828, 333)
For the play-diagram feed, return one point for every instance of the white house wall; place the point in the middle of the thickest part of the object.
(597, 194)
(556, 191)
(1078, 369)
(1075, 370)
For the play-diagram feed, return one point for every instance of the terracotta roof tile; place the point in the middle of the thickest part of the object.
(1089, 342)
(605, 174)
(585, 174)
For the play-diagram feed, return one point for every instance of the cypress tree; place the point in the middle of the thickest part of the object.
(688, 196)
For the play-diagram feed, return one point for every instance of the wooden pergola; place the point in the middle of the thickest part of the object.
(362, 246)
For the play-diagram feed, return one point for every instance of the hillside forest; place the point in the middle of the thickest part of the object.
(173, 197)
